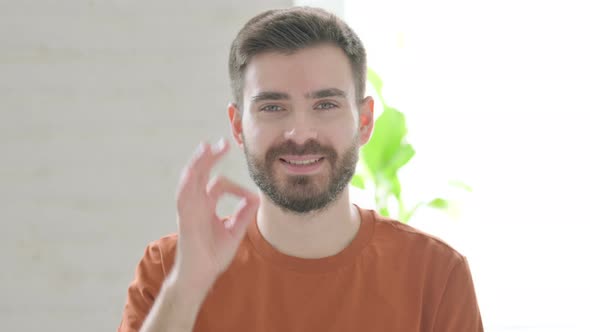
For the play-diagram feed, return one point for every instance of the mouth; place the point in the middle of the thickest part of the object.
(302, 164)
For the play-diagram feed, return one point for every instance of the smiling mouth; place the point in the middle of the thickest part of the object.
(302, 162)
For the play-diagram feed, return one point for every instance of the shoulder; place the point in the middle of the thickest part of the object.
(162, 251)
(166, 243)
(410, 241)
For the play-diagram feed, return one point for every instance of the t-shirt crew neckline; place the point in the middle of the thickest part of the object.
(317, 265)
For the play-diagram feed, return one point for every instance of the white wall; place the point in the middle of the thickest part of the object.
(101, 103)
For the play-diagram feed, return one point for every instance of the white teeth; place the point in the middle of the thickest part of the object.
(302, 162)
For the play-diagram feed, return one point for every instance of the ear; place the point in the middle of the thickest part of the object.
(366, 121)
(235, 120)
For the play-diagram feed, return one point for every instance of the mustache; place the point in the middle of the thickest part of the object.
(309, 147)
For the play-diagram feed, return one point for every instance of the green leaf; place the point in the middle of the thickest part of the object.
(388, 134)
(401, 157)
(396, 187)
(388, 183)
(439, 203)
(382, 190)
(357, 181)
(461, 185)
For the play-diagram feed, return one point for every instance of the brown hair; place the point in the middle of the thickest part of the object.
(289, 30)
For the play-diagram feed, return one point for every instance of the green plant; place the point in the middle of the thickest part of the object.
(384, 155)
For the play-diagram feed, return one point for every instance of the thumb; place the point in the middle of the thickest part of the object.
(244, 216)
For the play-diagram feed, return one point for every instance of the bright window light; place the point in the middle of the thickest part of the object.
(497, 95)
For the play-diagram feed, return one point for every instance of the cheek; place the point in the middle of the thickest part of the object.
(257, 137)
(340, 131)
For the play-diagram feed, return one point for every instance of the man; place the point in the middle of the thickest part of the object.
(297, 256)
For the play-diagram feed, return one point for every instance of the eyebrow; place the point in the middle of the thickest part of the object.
(270, 95)
(324, 93)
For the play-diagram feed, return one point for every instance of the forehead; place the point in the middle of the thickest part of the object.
(309, 69)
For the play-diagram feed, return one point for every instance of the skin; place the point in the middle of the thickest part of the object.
(207, 244)
(332, 121)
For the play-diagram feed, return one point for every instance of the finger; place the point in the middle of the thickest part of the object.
(216, 152)
(211, 153)
(189, 172)
(221, 185)
(205, 157)
(247, 208)
(245, 215)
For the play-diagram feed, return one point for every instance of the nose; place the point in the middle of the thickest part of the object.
(301, 128)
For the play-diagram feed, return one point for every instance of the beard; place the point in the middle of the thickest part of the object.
(302, 194)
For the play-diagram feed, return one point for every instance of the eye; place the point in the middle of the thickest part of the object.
(325, 106)
(271, 108)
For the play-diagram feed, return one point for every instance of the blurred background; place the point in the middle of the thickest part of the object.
(102, 103)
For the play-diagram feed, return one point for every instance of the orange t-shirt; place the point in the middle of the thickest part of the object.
(391, 277)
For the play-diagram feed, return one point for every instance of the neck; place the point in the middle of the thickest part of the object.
(313, 235)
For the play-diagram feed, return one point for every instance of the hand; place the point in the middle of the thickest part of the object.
(207, 244)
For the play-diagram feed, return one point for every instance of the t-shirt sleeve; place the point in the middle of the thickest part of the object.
(142, 292)
(458, 309)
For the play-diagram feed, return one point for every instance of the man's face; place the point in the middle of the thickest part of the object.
(300, 126)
